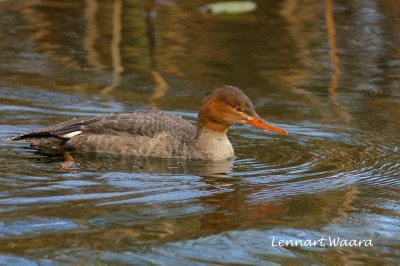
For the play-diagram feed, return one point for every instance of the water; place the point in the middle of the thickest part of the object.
(335, 175)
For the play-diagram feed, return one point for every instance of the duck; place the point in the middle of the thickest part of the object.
(159, 134)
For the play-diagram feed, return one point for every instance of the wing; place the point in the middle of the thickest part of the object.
(138, 123)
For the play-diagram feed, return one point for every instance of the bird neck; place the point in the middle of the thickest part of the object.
(207, 122)
(211, 142)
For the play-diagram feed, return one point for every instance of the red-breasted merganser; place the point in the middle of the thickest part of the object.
(155, 133)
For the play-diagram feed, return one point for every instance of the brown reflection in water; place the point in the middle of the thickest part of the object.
(91, 35)
(294, 25)
(235, 210)
(43, 28)
(178, 38)
(333, 50)
(230, 204)
(115, 49)
(349, 197)
(296, 17)
(330, 24)
(161, 86)
(232, 209)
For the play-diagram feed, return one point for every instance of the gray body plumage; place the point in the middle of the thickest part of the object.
(140, 133)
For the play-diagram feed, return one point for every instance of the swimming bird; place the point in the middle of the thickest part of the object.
(156, 133)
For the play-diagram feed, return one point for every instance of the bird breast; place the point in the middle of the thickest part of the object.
(211, 145)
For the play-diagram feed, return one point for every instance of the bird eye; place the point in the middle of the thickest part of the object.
(239, 109)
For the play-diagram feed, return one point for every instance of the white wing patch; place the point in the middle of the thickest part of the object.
(71, 134)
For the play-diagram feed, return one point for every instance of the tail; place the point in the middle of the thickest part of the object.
(32, 135)
(29, 137)
(55, 135)
(43, 138)
(64, 130)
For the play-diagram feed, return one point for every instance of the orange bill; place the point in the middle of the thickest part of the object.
(258, 122)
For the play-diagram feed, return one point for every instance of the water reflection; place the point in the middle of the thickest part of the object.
(91, 35)
(115, 49)
(161, 86)
(342, 110)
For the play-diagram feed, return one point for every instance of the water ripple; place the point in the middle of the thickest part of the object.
(316, 157)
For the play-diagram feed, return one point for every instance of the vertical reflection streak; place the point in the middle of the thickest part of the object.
(333, 50)
(161, 86)
(330, 24)
(115, 49)
(91, 35)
